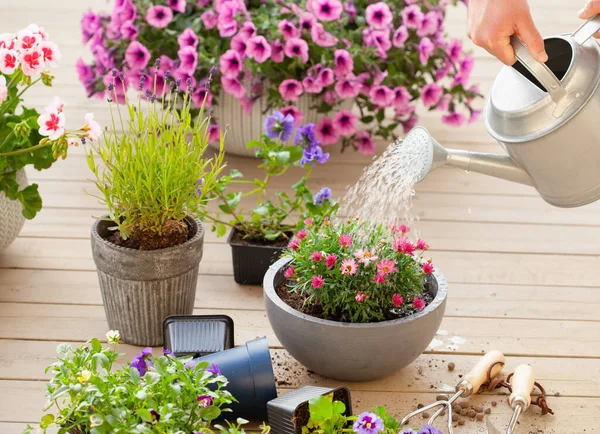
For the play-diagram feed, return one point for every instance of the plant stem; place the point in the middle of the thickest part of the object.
(24, 151)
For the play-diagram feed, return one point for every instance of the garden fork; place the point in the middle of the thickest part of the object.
(488, 367)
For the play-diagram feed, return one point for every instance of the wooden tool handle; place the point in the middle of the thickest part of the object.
(522, 383)
(479, 374)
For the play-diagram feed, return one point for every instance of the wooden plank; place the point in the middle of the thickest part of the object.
(547, 338)
(221, 292)
(23, 401)
(27, 360)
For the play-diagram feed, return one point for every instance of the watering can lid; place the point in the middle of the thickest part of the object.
(520, 109)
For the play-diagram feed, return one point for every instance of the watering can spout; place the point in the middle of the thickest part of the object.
(499, 166)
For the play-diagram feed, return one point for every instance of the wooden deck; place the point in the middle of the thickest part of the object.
(523, 275)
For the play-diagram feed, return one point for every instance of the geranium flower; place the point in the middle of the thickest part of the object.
(188, 38)
(8, 40)
(137, 56)
(428, 268)
(177, 5)
(188, 57)
(258, 49)
(92, 128)
(345, 122)
(330, 261)
(348, 267)
(288, 29)
(204, 401)
(159, 16)
(230, 63)
(27, 39)
(233, 86)
(359, 298)
(366, 256)
(454, 119)
(51, 52)
(321, 37)
(344, 64)
(368, 423)
(290, 90)
(8, 61)
(289, 272)
(296, 47)
(345, 240)
(379, 15)
(397, 300)
(52, 125)
(322, 195)
(431, 94)
(317, 282)
(327, 10)
(386, 266)
(400, 37)
(209, 19)
(278, 126)
(32, 62)
(326, 132)
(364, 143)
(418, 303)
(412, 16)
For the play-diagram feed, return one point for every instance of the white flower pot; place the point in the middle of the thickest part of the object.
(244, 127)
(11, 215)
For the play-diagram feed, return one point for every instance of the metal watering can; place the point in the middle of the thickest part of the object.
(545, 116)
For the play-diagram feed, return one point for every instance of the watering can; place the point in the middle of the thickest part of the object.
(547, 119)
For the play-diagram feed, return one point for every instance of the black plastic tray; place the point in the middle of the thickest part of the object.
(198, 335)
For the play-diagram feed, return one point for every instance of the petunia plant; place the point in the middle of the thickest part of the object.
(275, 214)
(28, 138)
(151, 394)
(383, 57)
(327, 416)
(355, 271)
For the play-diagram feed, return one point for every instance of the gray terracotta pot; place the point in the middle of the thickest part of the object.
(142, 288)
(350, 351)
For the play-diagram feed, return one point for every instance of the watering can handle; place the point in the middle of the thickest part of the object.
(539, 70)
(587, 30)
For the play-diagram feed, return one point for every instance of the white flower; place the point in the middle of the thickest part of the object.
(85, 376)
(3, 89)
(7, 40)
(32, 62)
(28, 38)
(9, 60)
(55, 106)
(92, 128)
(52, 125)
(113, 336)
(51, 52)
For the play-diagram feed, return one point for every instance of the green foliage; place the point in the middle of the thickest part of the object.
(357, 271)
(152, 167)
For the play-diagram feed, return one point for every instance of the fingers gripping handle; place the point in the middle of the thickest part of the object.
(522, 383)
(587, 30)
(479, 374)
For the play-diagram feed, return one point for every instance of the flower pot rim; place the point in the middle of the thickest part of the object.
(270, 292)
(190, 220)
(234, 230)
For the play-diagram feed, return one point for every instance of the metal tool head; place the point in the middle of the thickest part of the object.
(431, 154)
(491, 429)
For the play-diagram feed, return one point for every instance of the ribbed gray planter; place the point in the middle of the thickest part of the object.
(141, 288)
(350, 351)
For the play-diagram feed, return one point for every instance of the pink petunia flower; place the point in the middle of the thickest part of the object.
(289, 272)
(312, 85)
(8, 61)
(364, 143)
(366, 256)
(418, 303)
(475, 114)
(347, 88)
(345, 123)
(239, 45)
(361, 297)
(431, 94)
(209, 19)
(454, 50)
(466, 65)
(294, 244)
(380, 39)
(288, 29)
(330, 261)
(325, 77)
(344, 64)
(202, 97)
(308, 222)
(454, 119)
(290, 90)
(401, 97)
(188, 58)
(188, 38)
(294, 112)
(277, 54)
(426, 47)
(400, 37)
(178, 5)
(321, 37)
(230, 63)
(379, 15)
(422, 245)
(214, 133)
(159, 16)
(327, 10)
(397, 300)
(428, 25)
(410, 123)
(444, 103)
(345, 240)
(316, 256)
(428, 268)
(317, 282)
(348, 267)
(248, 30)
(330, 97)
(379, 278)
(412, 16)
(307, 21)
(350, 9)
(137, 56)
(325, 131)
(296, 47)
(386, 266)
(258, 49)
(382, 96)
(233, 86)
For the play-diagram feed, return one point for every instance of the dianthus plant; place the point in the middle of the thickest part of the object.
(152, 394)
(358, 272)
(329, 417)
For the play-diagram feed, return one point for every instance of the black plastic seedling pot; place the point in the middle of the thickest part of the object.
(251, 262)
(198, 335)
(249, 370)
(289, 413)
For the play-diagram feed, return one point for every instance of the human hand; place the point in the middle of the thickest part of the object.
(590, 9)
(491, 23)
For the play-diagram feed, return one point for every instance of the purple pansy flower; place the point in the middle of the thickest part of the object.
(167, 352)
(204, 401)
(278, 126)
(321, 196)
(428, 429)
(368, 423)
(155, 415)
(139, 361)
(214, 369)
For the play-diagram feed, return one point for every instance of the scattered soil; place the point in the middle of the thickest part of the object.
(174, 233)
(237, 239)
(302, 414)
(298, 302)
(451, 366)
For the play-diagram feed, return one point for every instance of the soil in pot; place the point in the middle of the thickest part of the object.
(297, 301)
(302, 414)
(174, 233)
(236, 239)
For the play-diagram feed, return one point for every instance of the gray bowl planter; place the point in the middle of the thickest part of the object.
(142, 288)
(350, 351)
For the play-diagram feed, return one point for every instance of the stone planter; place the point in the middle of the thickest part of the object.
(347, 351)
(142, 288)
(11, 215)
(245, 127)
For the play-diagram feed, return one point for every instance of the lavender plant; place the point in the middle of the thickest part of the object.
(155, 171)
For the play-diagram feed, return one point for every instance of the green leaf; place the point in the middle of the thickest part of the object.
(145, 415)
(339, 408)
(47, 420)
(380, 115)
(282, 157)
(261, 210)
(233, 199)
(221, 229)
(253, 144)
(236, 174)
(321, 408)
(210, 413)
(31, 200)
(367, 119)
(96, 345)
(272, 236)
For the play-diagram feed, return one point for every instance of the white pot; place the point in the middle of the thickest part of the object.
(11, 215)
(244, 127)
